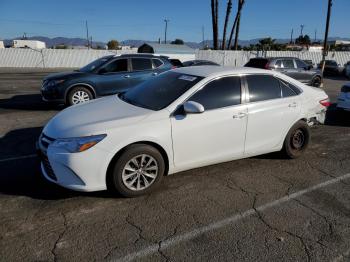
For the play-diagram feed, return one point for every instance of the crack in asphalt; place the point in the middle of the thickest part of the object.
(301, 240)
(53, 250)
(138, 228)
(160, 251)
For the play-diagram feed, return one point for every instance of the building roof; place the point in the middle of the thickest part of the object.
(165, 49)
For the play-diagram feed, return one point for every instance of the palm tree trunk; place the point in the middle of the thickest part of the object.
(228, 12)
(235, 24)
(240, 3)
(214, 18)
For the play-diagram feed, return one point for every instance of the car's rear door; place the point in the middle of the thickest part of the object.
(218, 133)
(113, 77)
(270, 115)
(141, 70)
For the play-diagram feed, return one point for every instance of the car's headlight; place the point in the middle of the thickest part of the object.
(78, 144)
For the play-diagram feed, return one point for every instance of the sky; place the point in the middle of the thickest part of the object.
(144, 19)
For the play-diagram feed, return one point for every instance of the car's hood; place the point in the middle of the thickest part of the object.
(94, 117)
(63, 75)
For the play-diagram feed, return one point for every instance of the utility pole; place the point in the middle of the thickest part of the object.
(91, 42)
(325, 51)
(291, 36)
(315, 35)
(301, 29)
(203, 36)
(87, 34)
(166, 29)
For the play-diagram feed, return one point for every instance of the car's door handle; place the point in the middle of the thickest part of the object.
(126, 76)
(292, 105)
(240, 115)
(154, 74)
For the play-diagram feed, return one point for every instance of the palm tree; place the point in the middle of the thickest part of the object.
(228, 12)
(266, 43)
(214, 16)
(240, 4)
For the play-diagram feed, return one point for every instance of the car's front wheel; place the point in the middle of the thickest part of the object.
(79, 95)
(316, 82)
(137, 171)
(296, 140)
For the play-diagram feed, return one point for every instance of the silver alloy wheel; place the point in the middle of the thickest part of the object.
(140, 172)
(79, 97)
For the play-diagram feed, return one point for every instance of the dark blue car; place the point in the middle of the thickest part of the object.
(105, 76)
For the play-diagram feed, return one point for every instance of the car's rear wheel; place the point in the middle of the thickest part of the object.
(316, 82)
(296, 140)
(137, 171)
(79, 95)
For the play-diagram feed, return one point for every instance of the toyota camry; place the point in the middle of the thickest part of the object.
(182, 119)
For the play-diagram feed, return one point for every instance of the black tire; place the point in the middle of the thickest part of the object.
(296, 140)
(115, 179)
(69, 99)
(316, 82)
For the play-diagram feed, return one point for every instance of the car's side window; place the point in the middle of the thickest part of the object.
(139, 64)
(288, 63)
(263, 87)
(119, 65)
(300, 64)
(157, 63)
(287, 91)
(219, 93)
(278, 64)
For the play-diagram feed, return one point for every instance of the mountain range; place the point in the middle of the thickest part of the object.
(50, 42)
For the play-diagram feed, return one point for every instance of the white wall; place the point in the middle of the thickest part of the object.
(239, 58)
(52, 58)
(65, 58)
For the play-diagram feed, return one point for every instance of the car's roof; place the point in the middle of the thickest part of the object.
(142, 55)
(206, 71)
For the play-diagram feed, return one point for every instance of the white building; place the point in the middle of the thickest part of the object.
(34, 44)
(2, 44)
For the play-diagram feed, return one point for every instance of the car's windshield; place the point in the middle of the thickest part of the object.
(160, 91)
(95, 64)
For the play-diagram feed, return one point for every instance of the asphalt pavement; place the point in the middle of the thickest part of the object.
(258, 209)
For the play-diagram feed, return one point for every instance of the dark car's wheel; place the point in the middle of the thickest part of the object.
(316, 82)
(296, 140)
(78, 95)
(137, 171)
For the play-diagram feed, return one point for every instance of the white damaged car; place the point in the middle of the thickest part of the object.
(182, 119)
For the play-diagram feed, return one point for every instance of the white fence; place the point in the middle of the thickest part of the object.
(239, 58)
(56, 58)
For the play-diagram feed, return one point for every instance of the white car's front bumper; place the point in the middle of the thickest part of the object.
(85, 171)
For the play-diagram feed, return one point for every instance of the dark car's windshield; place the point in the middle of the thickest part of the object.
(95, 64)
(160, 91)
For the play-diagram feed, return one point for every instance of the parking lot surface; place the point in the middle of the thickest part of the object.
(257, 209)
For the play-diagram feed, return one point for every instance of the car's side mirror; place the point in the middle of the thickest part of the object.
(191, 107)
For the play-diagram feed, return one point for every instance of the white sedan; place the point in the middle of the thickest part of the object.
(344, 98)
(182, 119)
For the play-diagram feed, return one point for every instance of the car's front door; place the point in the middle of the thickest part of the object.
(113, 78)
(141, 70)
(218, 133)
(304, 73)
(290, 69)
(271, 112)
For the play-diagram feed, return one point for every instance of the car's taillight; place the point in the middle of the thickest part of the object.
(325, 102)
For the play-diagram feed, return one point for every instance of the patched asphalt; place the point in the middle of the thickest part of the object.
(40, 221)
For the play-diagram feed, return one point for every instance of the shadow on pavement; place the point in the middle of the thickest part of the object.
(22, 176)
(337, 117)
(32, 102)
